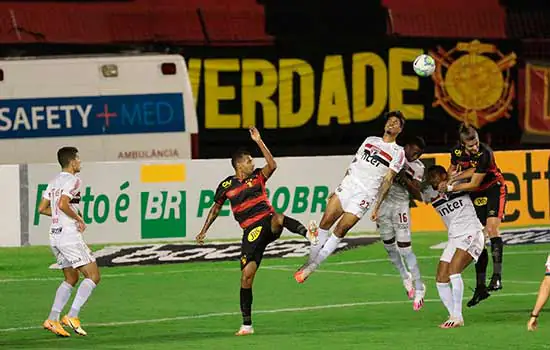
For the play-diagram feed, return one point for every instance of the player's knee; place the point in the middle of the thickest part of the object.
(442, 277)
(72, 280)
(492, 230)
(246, 280)
(390, 245)
(404, 251)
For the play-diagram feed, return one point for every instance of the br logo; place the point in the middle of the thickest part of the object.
(480, 201)
(254, 234)
(473, 82)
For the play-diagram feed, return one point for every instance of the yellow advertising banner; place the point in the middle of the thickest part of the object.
(527, 175)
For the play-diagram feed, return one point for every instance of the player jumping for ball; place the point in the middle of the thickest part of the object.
(368, 179)
(254, 213)
(394, 222)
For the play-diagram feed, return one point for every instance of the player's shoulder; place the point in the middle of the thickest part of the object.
(227, 182)
(416, 165)
(457, 150)
(483, 147)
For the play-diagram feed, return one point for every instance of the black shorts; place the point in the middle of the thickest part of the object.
(256, 237)
(490, 202)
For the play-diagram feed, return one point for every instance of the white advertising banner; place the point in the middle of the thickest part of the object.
(10, 215)
(124, 202)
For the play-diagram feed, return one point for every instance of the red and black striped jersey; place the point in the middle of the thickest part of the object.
(248, 197)
(484, 163)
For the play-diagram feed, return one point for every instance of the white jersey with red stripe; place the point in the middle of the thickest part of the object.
(548, 266)
(373, 160)
(413, 170)
(63, 228)
(456, 209)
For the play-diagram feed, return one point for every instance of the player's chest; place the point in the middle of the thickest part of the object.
(244, 189)
(466, 161)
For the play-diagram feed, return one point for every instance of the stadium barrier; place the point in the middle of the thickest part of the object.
(128, 202)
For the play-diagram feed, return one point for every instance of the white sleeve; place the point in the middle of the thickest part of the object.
(47, 193)
(398, 161)
(426, 197)
(361, 148)
(548, 266)
(418, 173)
(71, 188)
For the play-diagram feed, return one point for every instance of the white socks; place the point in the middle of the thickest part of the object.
(396, 260)
(322, 236)
(82, 295)
(410, 259)
(446, 296)
(62, 296)
(328, 248)
(458, 294)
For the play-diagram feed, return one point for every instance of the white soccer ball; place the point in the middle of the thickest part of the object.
(424, 65)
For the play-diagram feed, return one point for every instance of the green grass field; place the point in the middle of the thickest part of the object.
(356, 301)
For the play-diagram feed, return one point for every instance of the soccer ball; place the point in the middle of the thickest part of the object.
(424, 65)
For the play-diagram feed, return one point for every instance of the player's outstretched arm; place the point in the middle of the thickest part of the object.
(542, 298)
(271, 165)
(212, 215)
(464, 175)
(383, 192)
(44, 207)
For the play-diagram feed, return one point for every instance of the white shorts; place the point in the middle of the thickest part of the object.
(472, 243)
(71, 254)
(394, 221)
(354, 199)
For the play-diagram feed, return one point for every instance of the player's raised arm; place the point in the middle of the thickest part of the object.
(271, 165)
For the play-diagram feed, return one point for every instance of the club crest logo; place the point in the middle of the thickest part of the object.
(474, 83)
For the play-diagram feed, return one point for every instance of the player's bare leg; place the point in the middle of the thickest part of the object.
(461, 259)
(247, 279)
(497, 246)
(332, 213)
(62, 296)
(87, 286)
(346, 222)
(280, 221)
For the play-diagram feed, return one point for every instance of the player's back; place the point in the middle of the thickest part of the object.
(69, 185)
(413, 170)
(373, 160)
(456, 210)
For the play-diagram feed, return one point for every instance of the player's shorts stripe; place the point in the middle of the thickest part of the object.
(502, 201)
(255, 218)
(250, 203)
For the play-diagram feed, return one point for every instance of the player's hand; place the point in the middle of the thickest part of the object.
(442, 186)
(532, 324)
(81, 226)
(200, 238)
(374, 215)
(255, 134)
